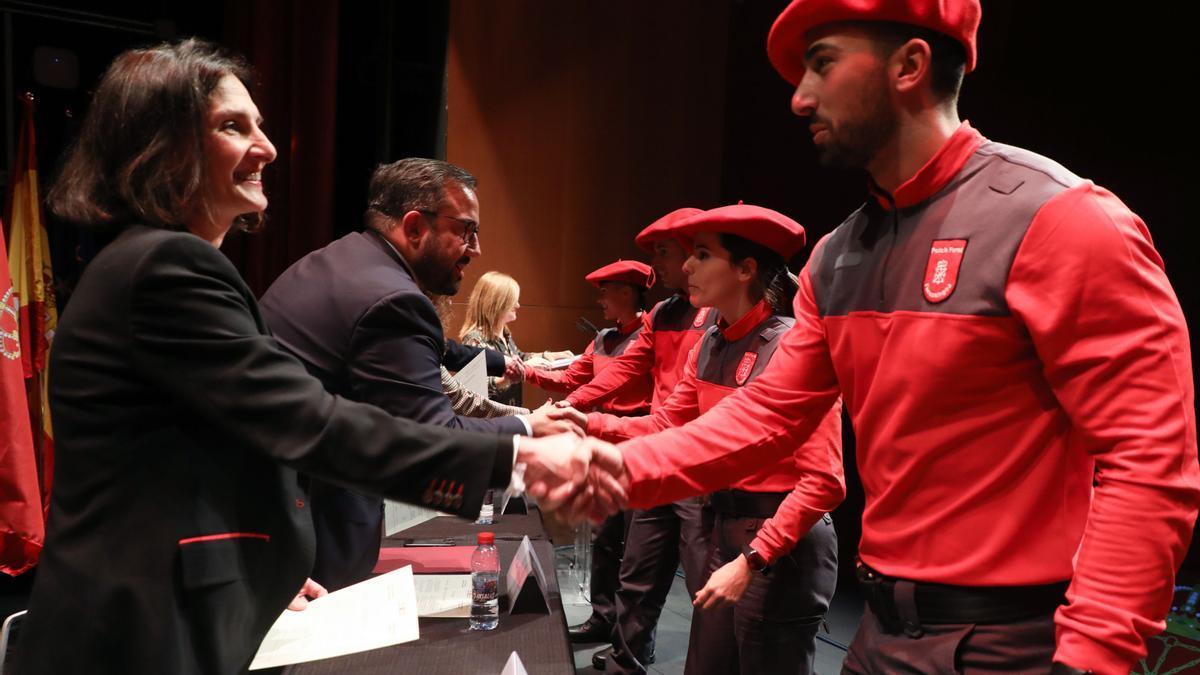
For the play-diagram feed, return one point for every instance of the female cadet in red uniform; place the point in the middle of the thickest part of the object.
(622, 289)
(772, 626)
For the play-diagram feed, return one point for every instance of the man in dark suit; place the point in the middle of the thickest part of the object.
(357, 315)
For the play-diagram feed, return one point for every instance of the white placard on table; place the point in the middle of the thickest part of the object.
(514, 666)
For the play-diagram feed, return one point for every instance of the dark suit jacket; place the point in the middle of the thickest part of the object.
(177, 530)
(354, 315)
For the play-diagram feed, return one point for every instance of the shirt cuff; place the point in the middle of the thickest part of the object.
(516, 484)
(528, 427)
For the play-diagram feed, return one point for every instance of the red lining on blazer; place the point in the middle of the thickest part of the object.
(225, 535)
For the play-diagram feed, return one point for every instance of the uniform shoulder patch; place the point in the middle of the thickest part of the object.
(744, 367)
(701, 315)
(941, 271)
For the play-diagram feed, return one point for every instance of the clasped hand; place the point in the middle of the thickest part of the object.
(579, 478)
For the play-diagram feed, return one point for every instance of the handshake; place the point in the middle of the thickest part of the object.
(579, 478)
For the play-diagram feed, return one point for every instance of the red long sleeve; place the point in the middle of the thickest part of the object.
(1114, 347)
(758, 425)
(580, 372)
(635, 361)
(681, 407)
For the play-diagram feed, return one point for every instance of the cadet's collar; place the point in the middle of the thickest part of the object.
(944, 165)
(631, 325)
(742, 327)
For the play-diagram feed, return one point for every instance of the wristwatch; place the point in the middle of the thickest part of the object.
(755, 560)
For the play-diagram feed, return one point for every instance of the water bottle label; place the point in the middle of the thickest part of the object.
(485, 588)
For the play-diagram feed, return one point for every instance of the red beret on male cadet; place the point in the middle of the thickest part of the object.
(632, 272)
(760, 225)
(958, 19)
(660, 229)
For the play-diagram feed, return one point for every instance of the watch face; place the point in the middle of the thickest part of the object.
(756, 561)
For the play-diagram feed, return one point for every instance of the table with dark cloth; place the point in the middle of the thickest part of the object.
(448, 645)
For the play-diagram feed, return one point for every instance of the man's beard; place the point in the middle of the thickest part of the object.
(858, 140)
(436, 275)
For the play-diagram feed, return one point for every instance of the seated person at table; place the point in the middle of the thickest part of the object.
(493, 305)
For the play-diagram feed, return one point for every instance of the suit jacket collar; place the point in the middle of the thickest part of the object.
(387, 247)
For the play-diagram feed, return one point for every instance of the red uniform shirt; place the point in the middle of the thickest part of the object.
(725, 359)
(999, 333)
(671, 329)
(631, 398)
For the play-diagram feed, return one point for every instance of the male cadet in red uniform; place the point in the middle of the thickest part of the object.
(623, 285)
(658, 538)
(633, 398)
(1013, 358)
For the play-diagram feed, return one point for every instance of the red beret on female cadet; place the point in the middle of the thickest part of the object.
(1013, 358)
(764, 622)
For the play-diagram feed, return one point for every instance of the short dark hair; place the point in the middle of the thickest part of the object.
(774, 281)
(412, 184)
(949, 58)
(139, 156)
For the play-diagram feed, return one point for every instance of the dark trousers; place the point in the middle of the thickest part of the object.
(608, 546)
(658, 540)
(773, 628)
(348, 528)
(1025, 646)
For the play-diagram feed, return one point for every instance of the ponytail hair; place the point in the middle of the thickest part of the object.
(774, 281)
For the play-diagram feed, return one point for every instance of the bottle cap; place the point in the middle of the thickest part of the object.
(485, 539)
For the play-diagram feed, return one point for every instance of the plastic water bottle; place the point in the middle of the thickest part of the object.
(486, 511)
(485, 583)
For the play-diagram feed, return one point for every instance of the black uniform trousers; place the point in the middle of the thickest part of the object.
(773, 628)
(658, 540)
(608, 546)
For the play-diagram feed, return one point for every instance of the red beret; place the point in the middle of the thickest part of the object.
(629, 272)
(958, 19)
(763, 226)
(660, 229)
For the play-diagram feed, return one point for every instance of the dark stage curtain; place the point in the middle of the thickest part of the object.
(293, 47)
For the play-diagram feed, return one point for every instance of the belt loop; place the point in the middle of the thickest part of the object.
(905, 594)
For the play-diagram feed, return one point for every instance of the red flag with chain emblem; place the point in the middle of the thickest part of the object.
(33, 284)
(22, 527)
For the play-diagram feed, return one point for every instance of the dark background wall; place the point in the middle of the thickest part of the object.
(585, 121)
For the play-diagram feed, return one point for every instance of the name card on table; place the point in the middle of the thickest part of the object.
(514, 666)
(513, 504)
(526, 582)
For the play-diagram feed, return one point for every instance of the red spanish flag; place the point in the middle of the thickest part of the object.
(22, 527)
(33, 282)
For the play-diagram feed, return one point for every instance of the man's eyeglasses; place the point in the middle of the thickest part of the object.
(470, 233)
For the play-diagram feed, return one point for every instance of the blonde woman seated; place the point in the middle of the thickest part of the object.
(493, 305)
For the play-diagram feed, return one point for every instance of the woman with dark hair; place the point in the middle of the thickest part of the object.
(748, 620)
(177, 529)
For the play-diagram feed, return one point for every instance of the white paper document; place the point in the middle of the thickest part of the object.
(473, 376)
(375, 613)
(558, 364)
(443, 596)
(400, 516)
